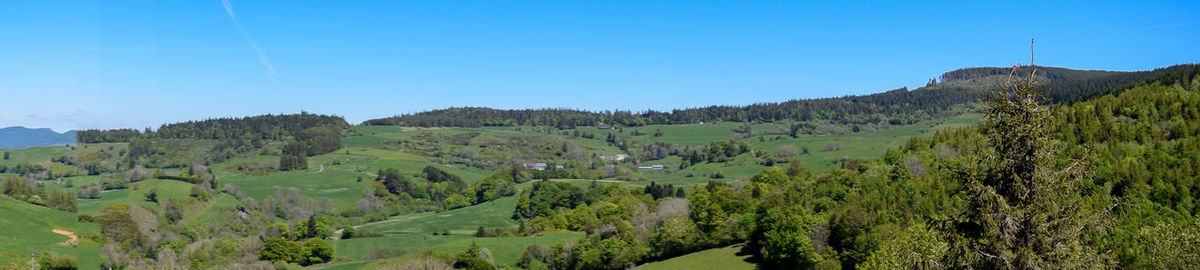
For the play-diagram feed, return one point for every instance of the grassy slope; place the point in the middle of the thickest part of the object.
(506, 250)
(28, 228)
(466, 220)
(35, 155)
(729, 258)
(207, 213)
(366, 152)
(358, 248)
(461, 222)
(863, 145)
(167, 189)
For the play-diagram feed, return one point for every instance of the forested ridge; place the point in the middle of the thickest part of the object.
(303, 135)
(263, 127)
(1110, 182)
(899, 106)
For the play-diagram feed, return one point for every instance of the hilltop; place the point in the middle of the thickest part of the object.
(899, 106)
(22, 137)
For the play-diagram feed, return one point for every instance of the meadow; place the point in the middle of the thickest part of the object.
(29, 228)
(730, 258)
(345, 174)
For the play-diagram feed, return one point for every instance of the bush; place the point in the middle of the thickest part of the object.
(786, 151)
(152, 195)
(312, 251)
(279, 250)
(199, 193)
(832, 146)
(55, 262)
(532, 254)
(316, 251)
(474, 258)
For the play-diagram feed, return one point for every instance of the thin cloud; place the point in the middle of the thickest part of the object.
(262, 56)
(159, 49)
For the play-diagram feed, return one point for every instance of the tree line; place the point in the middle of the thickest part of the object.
(33, 193)
(902, 106)
(263, 127)
(1103, 183)
(305, 135)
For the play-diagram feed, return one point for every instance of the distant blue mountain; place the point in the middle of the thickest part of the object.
(22, 137)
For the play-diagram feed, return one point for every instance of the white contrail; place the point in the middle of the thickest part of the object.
(262, 56)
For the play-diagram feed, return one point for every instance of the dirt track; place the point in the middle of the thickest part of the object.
(74, 239)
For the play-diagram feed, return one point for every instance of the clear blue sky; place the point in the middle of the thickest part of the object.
(109, 64)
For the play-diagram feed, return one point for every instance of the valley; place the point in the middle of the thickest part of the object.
(847, 187)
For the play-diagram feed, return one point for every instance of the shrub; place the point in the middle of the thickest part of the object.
(316, 251)
(786, 151)
(832, 146)
(152, 195)
(55, 262)
(279, 250)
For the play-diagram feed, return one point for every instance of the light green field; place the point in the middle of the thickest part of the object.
(465, 221)
(408, 163)
(507, 250)
(28, 228)
(35, 155)
(726, 258)
(211, 211)
(358, 248)
(351, 265)
(462, 223)
(337, 182)
(167, 189)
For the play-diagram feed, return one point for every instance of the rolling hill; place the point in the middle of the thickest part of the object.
(22, 137)
(844, 186)
(902, 106)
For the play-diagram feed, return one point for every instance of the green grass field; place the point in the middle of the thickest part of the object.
(28, 228)
(370, 148)
(464, 221)
(726, 258)
(167, 189)
(507, 250)
(358, 248)
(34, 155)
(350, 265)
(211, 211)
(335, 182)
